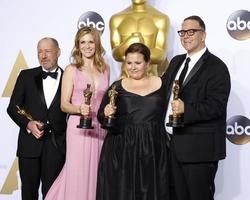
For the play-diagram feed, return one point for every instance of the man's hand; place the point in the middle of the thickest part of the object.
(177, 106)
(35, 129)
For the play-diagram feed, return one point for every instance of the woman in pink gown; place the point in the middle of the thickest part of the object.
(77, 180)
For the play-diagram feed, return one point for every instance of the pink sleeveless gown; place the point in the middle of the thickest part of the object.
(77, 180)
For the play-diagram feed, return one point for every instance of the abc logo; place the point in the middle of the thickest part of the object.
(238, 130)
(238, 25)
(92, 19)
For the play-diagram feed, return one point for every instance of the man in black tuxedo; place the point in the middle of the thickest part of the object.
(197, 147)
(41, 141)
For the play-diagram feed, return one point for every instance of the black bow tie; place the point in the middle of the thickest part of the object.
(51, 74)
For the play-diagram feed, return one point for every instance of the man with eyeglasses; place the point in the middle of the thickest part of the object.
(204, 83)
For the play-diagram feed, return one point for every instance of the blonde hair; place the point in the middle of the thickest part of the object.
(76, 54)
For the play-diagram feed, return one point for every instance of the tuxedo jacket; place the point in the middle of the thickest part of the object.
(205, 94)
(28, 94)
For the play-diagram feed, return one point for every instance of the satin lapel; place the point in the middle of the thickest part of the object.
(177, 66)
(58, 92)
(196, 67)
(39, 85)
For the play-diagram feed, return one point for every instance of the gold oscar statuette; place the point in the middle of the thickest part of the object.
(140, 22)
(28, 116)
(109, 121)
(175, 120)
(86, 120)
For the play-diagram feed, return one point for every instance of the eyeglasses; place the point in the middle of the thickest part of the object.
(190, 32)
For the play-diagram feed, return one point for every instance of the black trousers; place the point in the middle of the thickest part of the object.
(44, 168)
(192, 181)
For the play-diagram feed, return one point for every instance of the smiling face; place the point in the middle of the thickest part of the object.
(193, 43)
(136, 65)
(87, 46)
(48, 54)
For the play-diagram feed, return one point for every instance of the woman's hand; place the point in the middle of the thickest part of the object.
(85, 109)
(109, 110)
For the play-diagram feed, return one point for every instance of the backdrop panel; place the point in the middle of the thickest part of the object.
(23, 23)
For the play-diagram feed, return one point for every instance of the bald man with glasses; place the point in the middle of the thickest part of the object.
(204, 86)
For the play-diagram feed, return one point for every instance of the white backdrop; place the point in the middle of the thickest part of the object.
(23, 23)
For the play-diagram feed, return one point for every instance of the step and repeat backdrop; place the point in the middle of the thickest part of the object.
(23, 23)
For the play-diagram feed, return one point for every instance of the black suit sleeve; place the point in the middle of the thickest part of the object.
(18, 98)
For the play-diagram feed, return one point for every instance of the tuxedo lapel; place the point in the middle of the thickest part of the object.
(58, 92)
(173, 73)
(193, 72)
(196, 68)
(39, 85)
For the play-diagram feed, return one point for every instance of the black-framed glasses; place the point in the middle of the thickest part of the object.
(190, 32)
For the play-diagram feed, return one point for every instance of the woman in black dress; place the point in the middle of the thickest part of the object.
(134, 157)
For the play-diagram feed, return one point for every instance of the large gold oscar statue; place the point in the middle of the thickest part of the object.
(140, 23)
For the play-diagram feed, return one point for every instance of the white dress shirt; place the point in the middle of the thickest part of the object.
(50, 86)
